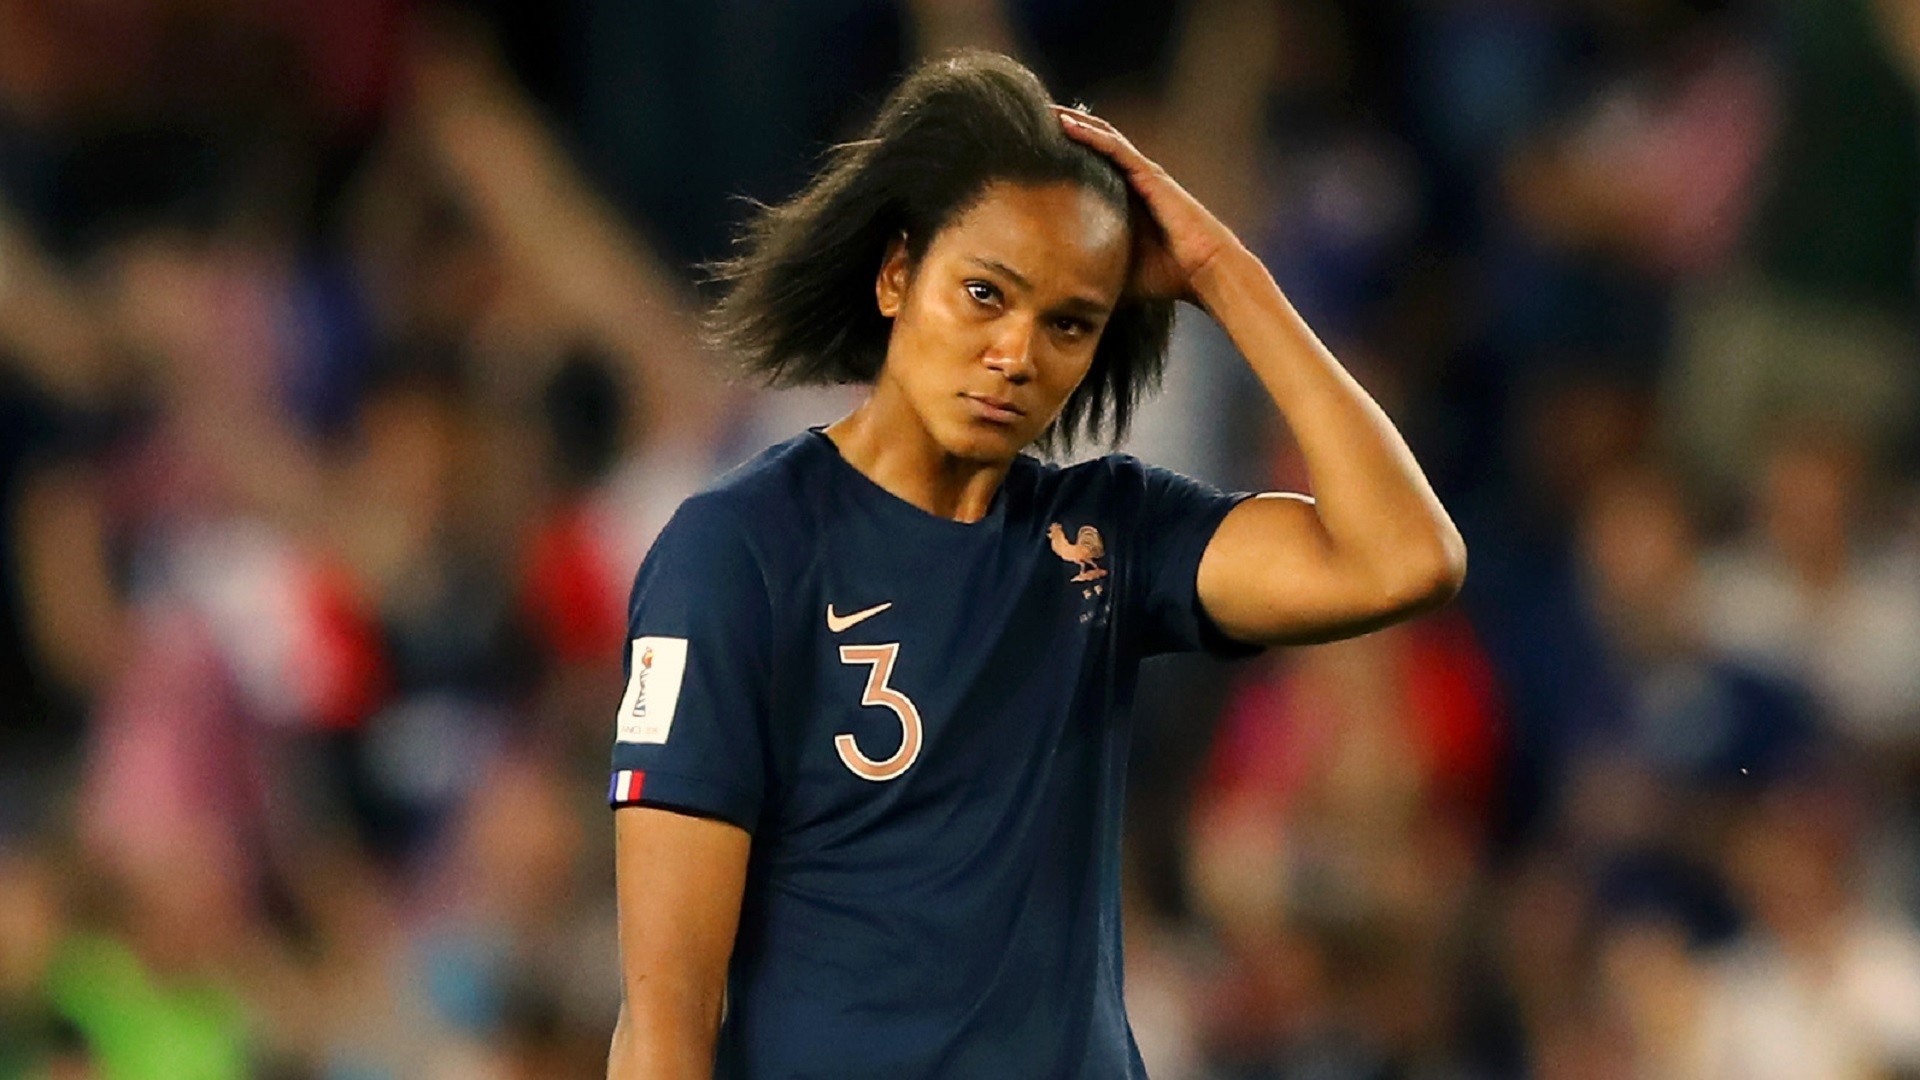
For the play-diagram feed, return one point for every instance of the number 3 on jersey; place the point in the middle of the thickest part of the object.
(877, 693)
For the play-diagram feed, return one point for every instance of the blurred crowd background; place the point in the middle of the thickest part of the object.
(348, 366)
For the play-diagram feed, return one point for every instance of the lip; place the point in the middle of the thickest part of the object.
(995, 410)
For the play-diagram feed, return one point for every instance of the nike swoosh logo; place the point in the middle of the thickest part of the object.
(837, 623)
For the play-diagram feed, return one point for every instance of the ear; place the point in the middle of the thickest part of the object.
(890, 287)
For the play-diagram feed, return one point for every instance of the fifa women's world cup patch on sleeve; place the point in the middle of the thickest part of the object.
(691, 725)
(653, 690)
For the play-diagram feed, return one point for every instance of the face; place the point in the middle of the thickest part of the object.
(995, 325)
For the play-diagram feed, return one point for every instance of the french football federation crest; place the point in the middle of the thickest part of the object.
(1084, 551)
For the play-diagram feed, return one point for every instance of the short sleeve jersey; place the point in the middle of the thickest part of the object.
(923, 724)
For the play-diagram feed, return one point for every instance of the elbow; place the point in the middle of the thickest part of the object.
(1433, 575)
(1453, 562)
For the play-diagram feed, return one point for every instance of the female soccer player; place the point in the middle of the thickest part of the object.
(870, 756)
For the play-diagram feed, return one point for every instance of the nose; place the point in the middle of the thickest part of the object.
(1011, 351)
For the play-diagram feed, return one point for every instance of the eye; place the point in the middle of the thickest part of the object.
(1071, 328)
(983, 292)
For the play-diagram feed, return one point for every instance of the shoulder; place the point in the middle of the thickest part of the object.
(1104, 472)
(741, 532)
(753, 500)
(1119, 482)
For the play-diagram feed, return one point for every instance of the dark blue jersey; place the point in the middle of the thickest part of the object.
(924, 726)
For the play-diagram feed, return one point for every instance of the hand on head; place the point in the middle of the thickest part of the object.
(1182, 239)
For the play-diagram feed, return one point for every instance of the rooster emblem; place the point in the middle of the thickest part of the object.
(1084, 550)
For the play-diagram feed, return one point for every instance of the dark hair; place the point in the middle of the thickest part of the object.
(799, 305)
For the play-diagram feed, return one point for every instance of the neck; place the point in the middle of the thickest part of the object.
(889, 445)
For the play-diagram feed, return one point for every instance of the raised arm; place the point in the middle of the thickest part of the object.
(1373, 545)
(524, 190)
(680, 881)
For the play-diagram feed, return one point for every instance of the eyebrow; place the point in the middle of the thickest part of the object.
(1003, 270)
(1078, 304)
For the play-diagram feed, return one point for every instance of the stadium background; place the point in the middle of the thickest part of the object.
(346, 370)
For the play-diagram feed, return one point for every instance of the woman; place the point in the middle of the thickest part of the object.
(870, 757)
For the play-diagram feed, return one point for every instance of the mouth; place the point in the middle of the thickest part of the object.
(995, 410)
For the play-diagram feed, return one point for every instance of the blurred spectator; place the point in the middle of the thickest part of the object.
(1818, 591)
(1823, 986)
(1821, 321)
(1670, 702)
(1531, 604)
(494, 960)
(1332, 836)
(1658, 164)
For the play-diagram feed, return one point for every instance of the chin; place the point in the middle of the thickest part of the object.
(986, 444)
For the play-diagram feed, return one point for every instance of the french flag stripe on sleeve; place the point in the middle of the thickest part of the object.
(626, 785)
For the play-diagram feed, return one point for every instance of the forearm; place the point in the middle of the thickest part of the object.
(679, 879)
(1374, 504)
(656, 1042)
(522, 188)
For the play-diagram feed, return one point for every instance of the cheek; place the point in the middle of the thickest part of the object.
(1061, 377)
(931, 348)
(932, 322)
(1071, 366)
